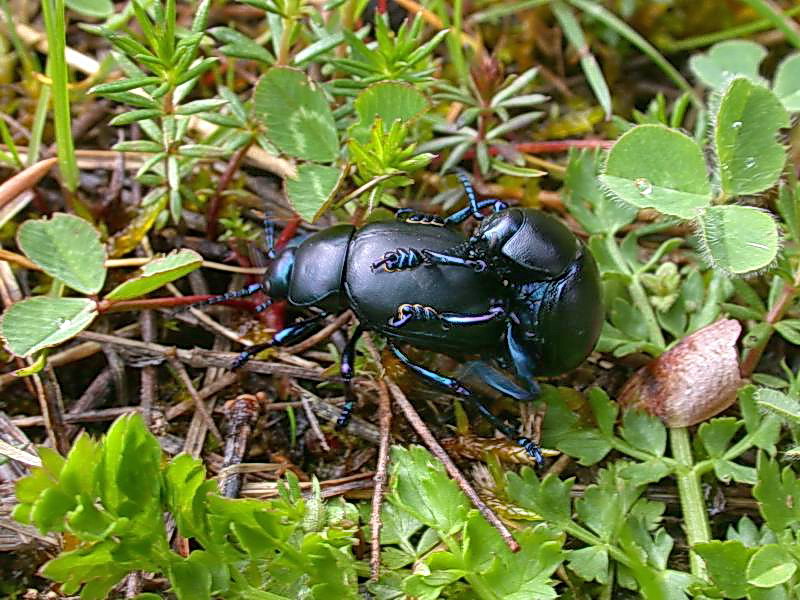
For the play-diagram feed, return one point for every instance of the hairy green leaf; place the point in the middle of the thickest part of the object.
(745, 138)
(296, 113)
(66, 248)
(738, 239)
(44, 321)
(652, 166)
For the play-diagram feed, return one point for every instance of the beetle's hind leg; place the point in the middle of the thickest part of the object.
(287, 336)
(453, 386)
(348, 371)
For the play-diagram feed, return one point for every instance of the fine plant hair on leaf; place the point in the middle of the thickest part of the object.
(704, 251)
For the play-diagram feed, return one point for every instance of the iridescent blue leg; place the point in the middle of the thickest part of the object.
(475, 211)
(287, 336)
(474, 207)
(419, 312)
(348, 371)
(453, 386)
(269, 237)
(501, 381)
(248, 291)
(433, 257)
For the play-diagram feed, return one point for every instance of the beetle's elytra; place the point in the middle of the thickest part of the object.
(522, 292)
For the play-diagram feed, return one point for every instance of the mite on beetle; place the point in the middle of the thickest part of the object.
(522, 291)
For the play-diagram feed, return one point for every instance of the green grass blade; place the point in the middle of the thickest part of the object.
(786, 25)
(611, 20)
(574, 33)
(55, 23)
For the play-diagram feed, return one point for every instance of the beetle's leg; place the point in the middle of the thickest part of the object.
(399, 259)
(409, 215)
(453, 386)
(287, 336)
(348, 371)
(475, 211)
(500, 381)
(419, 312)
(248, 291)
(433, 257)
(269, 237)
(474, 208)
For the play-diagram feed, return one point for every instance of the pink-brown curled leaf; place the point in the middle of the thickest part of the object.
(692, 381)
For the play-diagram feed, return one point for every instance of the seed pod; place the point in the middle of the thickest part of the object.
(691, 382)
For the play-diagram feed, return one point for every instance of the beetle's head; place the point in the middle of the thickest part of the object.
(279, 275)
(539, 246)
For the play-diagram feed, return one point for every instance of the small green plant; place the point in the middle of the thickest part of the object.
(652, 166)
(160, 73)
(68, 249)
(110, 495)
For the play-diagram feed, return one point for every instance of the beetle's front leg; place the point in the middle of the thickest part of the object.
(453, 386)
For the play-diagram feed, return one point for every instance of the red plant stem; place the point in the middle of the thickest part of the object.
(105, 306)
(549, 147)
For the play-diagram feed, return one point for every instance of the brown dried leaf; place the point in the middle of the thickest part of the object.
(691, 382)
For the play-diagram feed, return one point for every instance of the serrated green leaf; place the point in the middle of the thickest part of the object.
(771, 565)
(156, 273)
(726, 60)
(66, 248)
(727, 470)
(644, 432)
(726, 563)
(298, 118)
(745, 138)
(738, 239)
(388, 101)
(44, 321)
(778, 494)
(590, 563)
(652, 166)
(786, 407)
(787, 82)
(312, 190)
(421, 488)
(717, 434)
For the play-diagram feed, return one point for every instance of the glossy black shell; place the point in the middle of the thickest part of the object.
(375, 294)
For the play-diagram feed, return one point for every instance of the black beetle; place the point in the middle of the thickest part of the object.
(521, 291)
